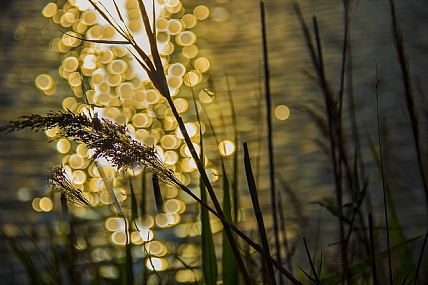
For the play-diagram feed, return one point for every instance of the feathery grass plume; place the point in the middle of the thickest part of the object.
(106, 138)
(61, 183)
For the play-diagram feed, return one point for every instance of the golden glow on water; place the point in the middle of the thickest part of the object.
(190, 51)
(115, 224)
(201, 12)
(46, 204)
(181, 105)
(23, 194)
(51, 133)
(188, 275)
(176, 69)
(36, 205)
(226, 148)
(63, 146)
(164, 220)
(94, 184)
(202, 64)
(79, 177)
(170, 142)
(117, 66)
(125, 90)
(135, 26)
(145, 222)
(94, 33)
(146, 234)
(44, 82)
(161, 24)
(69, 103)
(219, 14)
(174, 206)
(155, 263)
(109, 271)
(109, 32)
(77, 162)
(282, 112)
(90, 17)
(120, 92)
(174, 27)
(49, 10)
(141, 120)
(185, 38)
(174, 82)
(75, 79)
(99, 254)
(70, 64)
(156, 248)
(189, 21)
(119, 238)
(152, 96)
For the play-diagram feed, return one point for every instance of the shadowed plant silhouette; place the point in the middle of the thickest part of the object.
(60, 183)
(106, 138)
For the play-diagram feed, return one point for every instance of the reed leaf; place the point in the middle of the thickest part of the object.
(143, 207)
(157, 193)
(134, 202)
(257, 211)
(209, 259)
(230, 266)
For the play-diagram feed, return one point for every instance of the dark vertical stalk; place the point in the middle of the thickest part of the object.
(383, 176)
(74, 279)
(269, 131)
(332, 115)
(404, 65)
(318, 282)
(258, 212)
(209, 187)
(372, 249)
(420, 256)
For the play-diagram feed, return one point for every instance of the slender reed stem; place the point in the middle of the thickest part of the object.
(71, 241)
(257, 211)
(334, 132)
(383, 175)
(372, 250)
(311, 263)
(404, 65)
(268, 105)
(420, 256)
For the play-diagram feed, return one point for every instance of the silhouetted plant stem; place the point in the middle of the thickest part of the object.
(409, 96)
(209, 188)
(317, 280)
(332, 115)
(257, 211)
(268, 105)
(372, 250)
(74, 279)
(383, 175)
(420, 256)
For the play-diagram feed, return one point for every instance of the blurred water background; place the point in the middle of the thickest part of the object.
(230, 39)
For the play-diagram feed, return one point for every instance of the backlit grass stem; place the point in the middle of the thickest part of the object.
(268, 104)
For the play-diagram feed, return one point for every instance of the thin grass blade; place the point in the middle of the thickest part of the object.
(134, 202)
(257, 211)
(157, 193)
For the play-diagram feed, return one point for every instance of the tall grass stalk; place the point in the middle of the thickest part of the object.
(409, 96)
(268, 105)
(383, 176)
(258, 213)
(209, 259)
